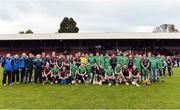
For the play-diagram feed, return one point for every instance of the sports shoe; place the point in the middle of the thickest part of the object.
(133, 83)
(127, 83)
(4, 85)
(117, 84)
(100, 83)
(137, 85)
(72, 82)
(109, 84)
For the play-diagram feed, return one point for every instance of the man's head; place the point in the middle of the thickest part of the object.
(8, 55)
(23, 54)
(16, 56)
(30, 55)
(53, 54)
(38, 56)
(43, 54)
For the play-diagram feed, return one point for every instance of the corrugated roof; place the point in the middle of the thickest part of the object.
(73, 36)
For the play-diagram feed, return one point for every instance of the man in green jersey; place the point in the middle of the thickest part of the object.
(119, 59)
(118, 73)
(109, 75)
(97, 59)
(73, 72)
(81, 73)
(137, 62)
(153, 69)
(101, 60)
(160, 62)
(125, 60)
(89, 75)
(91, 59)
(106, 61)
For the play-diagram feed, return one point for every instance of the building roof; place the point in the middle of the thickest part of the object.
(73, 36)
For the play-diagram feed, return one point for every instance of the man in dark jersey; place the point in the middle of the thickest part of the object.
(126, 76)
(113, 61)
(38, 67)
(130, 64)
(135, 76)
(63, 76)
(30, 61)
(145, 69)
(97, 76)
(169, 66)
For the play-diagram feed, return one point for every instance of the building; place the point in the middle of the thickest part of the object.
(90, 42)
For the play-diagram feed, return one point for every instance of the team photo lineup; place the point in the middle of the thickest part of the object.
(110, 68)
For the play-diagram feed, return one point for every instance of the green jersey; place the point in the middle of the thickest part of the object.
(101, 60)
(88, 69)
(91, 60)
(82, 69)
(109, 72)
(55, 71)
(160, 62)
(137, 62)
(119, 60)
(153, 63)
(106, 62)
(118, 69)
(97, 60)
(73, 68)
(125, 60)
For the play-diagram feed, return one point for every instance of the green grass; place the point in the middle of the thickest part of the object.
(160, 95)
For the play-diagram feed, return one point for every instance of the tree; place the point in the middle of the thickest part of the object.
(21, 32)
(29, 31)
(68, 25)
(26, 32)
(165, 28)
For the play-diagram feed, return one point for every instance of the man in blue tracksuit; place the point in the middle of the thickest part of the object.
(7, 65)
(38, 67)
(29, 67)
(23, 65)
(15, 69)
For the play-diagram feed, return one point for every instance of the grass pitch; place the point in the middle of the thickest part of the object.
(36, 96)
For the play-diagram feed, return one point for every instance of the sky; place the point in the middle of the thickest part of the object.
(44, 16)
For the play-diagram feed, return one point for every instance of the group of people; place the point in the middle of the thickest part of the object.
(109, 68)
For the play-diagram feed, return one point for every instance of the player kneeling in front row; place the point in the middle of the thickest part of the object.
(135, 76)
(109, 75)
(46, 73)
(96, 74)
(118, 74)
(55, 74)
(73, 72)
(126, 76)
(89, 74)
(81, 73)
(63, 76)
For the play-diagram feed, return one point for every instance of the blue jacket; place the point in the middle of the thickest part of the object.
(7, 64)
(15, 64)
(22, 62)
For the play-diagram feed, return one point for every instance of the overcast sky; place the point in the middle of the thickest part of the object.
(44, 16)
